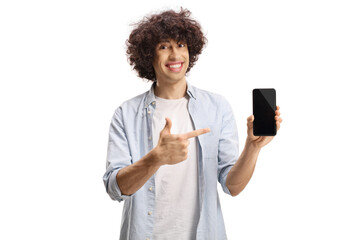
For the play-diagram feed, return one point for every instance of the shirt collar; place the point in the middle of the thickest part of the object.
(151, 95)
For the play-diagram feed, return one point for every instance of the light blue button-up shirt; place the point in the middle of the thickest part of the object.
(130, 138)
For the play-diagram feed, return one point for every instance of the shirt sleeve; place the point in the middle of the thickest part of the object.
(228, 152)
(118, 156)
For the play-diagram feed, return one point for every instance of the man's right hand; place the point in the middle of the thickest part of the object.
(173, 148)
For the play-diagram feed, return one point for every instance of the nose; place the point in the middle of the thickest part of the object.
(175, 53)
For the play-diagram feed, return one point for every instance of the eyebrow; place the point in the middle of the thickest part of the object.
(164, 41)
(167, 41)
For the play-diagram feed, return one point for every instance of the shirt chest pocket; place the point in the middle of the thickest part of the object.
(210, 141)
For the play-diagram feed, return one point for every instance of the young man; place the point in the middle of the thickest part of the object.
(170, 146)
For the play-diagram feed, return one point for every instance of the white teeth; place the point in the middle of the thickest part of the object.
(175, 66)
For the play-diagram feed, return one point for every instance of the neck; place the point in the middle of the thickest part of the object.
(170, 90)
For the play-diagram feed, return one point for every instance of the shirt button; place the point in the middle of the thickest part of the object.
(150, 188)
(147, 238)
(149, 213)
(153, 103)
(149, 112)
(150, 138)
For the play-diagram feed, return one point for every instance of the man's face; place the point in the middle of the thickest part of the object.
(171, 61)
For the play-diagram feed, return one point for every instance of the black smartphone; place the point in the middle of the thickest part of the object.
(264, 107)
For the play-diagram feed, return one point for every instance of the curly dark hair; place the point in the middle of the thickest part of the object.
(159, 27)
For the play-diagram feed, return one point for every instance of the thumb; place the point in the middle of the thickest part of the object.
(250, 121)
(167, 128)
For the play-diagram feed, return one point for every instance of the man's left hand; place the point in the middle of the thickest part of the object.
(261, 141)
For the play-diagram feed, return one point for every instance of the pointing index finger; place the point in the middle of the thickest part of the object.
(196, 133)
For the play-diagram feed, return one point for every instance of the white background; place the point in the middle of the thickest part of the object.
(63, 72)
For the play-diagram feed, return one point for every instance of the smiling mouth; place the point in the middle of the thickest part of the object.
(176, 67)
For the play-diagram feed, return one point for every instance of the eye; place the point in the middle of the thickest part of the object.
(162, 47)
(181, 45)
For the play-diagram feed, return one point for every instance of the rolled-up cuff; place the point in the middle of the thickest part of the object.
(114, 190)
(223, 176)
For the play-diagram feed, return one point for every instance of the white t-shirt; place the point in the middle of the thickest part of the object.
(177, 208)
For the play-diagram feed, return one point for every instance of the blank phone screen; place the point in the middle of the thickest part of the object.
(264, 106)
